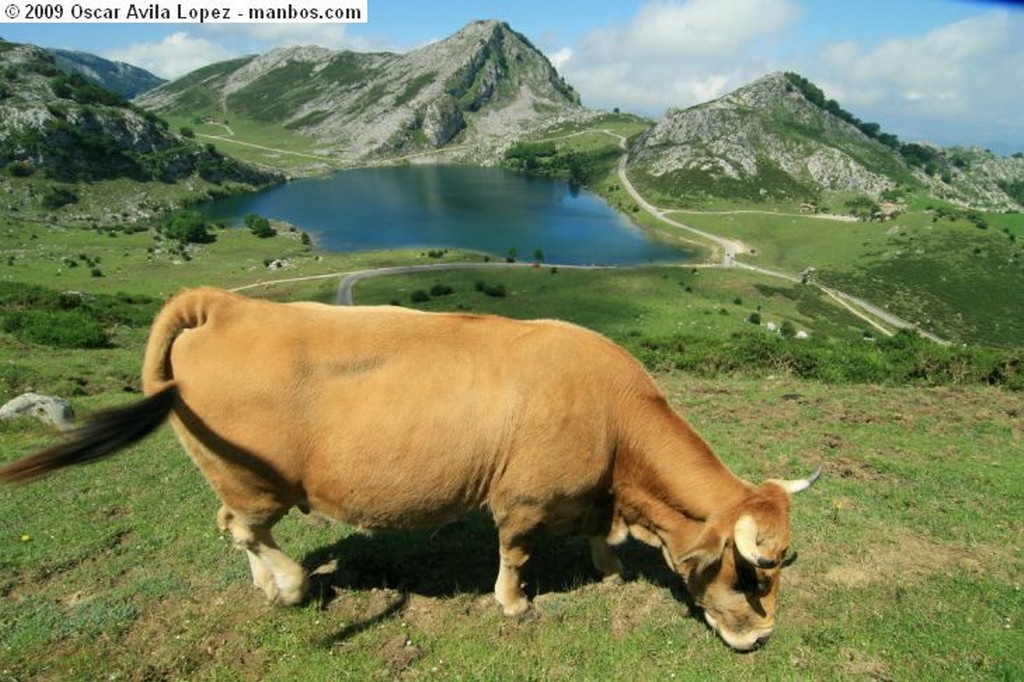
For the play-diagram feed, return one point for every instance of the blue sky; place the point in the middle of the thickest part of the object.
(950, 71)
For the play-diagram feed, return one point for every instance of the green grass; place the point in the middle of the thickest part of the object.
(907, 567)
(910, 562)
(948, 276)
(142, 263)
(263, 144)
(624, 302)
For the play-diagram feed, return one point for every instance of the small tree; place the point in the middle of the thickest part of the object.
(188, 227)
(259, 226)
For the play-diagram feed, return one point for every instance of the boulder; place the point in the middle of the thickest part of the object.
(46, 408)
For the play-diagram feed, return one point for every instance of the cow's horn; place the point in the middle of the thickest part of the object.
(745, 533)
(800, 484)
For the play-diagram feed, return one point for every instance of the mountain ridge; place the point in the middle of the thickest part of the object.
(484, 82)
(125, 79)
(768, 140)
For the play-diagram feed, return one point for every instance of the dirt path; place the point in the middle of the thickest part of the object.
(347, 285)
(231, 140)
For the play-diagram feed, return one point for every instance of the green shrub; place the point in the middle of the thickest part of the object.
(62, 329)
(35, 314)
(188, 227)
(441, 290)
(905, 358)
(58, 196)
(259, 226)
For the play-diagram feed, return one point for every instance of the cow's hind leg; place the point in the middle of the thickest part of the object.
(604, 559)
(282, 579)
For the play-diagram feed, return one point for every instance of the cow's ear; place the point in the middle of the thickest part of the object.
(705, 552)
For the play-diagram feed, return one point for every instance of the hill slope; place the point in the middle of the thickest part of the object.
(56, 128)
(484, 82)
(778, 139)
(124, 79)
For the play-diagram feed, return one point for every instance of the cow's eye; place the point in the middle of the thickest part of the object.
(746, 578)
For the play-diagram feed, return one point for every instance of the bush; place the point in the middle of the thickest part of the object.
(419, 296)
(35, 314)
(188, 227)
(905, 358)
(259, 226)
(492, 290)
(63, 329)
(441, 290)
(58, 196)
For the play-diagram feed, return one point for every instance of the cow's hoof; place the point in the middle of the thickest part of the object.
(515, 607)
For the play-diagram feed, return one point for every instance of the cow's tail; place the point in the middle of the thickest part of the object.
(104, 434)
(111, 430)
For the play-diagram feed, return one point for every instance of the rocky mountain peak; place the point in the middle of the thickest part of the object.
(484, 83)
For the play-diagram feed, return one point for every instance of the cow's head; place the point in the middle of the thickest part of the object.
(733, 569)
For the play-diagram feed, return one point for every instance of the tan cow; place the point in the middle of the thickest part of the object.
(387, 418)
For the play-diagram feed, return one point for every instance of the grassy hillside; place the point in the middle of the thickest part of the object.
(956, 273)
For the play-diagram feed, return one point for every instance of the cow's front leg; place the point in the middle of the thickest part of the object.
(508, 588)
(282, 579)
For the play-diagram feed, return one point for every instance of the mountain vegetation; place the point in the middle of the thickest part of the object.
(482, 84)
(61, 133)
(124, 79)
(780, 139)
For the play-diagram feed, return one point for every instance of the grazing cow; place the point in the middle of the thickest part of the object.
(387, 418)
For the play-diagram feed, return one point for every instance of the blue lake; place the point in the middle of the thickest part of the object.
(484, 209)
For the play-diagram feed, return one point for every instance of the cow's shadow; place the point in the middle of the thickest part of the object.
(458, 559)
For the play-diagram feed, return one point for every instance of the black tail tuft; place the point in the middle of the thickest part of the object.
(104, 434)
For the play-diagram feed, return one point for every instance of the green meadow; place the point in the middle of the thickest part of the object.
(910, 556)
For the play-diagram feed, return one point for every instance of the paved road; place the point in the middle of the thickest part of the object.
(870, 313)
(349, 281)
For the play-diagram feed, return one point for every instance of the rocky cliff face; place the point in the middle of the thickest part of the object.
(768, 140)
(60, 135)
(124, 79)
(69, 129)
(482, 83)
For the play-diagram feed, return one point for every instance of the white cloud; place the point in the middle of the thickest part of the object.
(174, 56)
(185, 51)
(675, 53)
(967, 73)
(264, 37)
(560, 58)
(696, 27)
